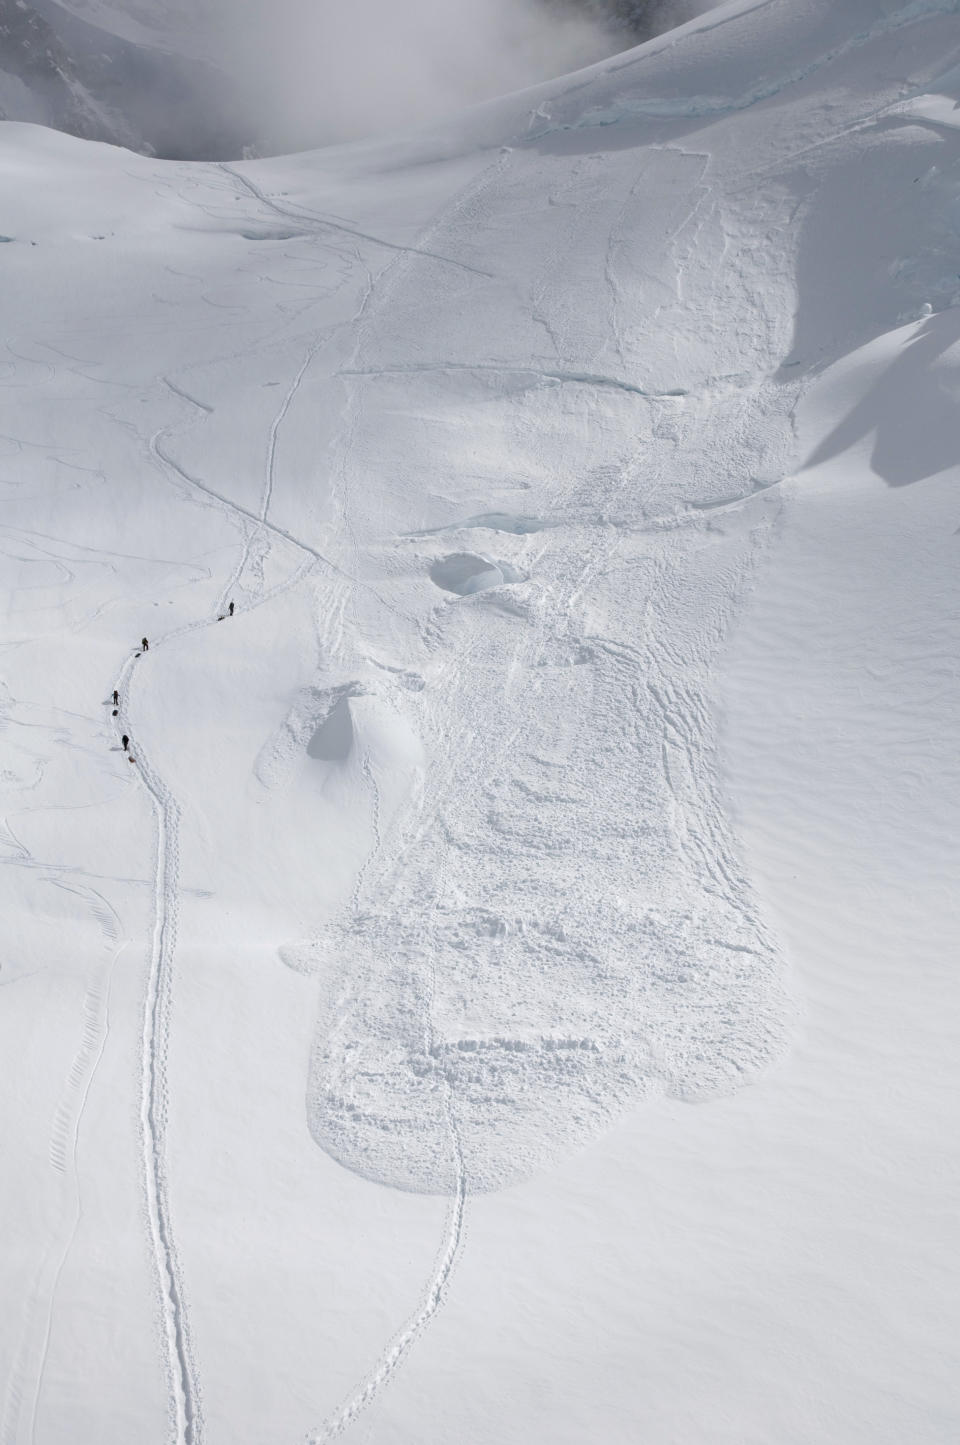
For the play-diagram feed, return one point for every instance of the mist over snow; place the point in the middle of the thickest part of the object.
(315, 73)
(226, 77)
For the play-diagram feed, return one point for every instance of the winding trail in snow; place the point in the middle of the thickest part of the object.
(395, 1353)
(266, 498)
(154, 1100)
(154, 1093)
(322, 222)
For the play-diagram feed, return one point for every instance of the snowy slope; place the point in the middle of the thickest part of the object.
(578, 753)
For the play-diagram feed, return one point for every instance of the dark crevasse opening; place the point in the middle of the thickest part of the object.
(333, 739)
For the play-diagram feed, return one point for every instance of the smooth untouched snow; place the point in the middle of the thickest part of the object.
(581, 477)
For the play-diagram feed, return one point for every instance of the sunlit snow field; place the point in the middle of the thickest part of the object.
(506, 989)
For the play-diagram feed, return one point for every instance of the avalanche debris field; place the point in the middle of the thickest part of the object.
(504, 988)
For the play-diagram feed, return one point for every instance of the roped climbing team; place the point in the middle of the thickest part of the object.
(145, 647)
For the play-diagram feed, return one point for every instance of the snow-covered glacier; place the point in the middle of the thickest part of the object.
(479, 813)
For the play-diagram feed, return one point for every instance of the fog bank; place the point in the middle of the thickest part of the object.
(318, 73)
(214, 79)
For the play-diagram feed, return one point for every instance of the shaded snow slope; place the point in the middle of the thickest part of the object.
(448, 480)
(157, 89)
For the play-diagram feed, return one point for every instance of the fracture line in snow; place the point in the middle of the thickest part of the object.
(185, 395)
(297, 215)
(436, 1293)
(578, 378)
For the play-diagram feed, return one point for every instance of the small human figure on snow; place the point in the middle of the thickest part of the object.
(230, 609)
(116, 697)
(126, 742)
(144, 644)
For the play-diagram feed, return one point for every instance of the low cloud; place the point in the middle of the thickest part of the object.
(315, 72)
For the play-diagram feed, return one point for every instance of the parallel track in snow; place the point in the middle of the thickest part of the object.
(382, 1373)
(187, 1417)
(181, 1370)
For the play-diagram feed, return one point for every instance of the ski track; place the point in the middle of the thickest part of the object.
(270, 473)
(181, 1369)
(186, 1411)
(154, 1101)
(234, 509)
(322, 223)
(396, 1352)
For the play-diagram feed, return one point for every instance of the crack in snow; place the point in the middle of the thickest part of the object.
(322, 221)
(576, 378)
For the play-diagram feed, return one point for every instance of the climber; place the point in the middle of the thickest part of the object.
(126, 742)
(116, 697)
(230, 609)
(145, 645)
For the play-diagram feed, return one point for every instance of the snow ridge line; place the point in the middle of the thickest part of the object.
(395, 1354)
(698, 106)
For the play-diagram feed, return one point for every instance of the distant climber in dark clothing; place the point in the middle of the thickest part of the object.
(116, 697)
(126, 742)
(230, 609)
(145, 645)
